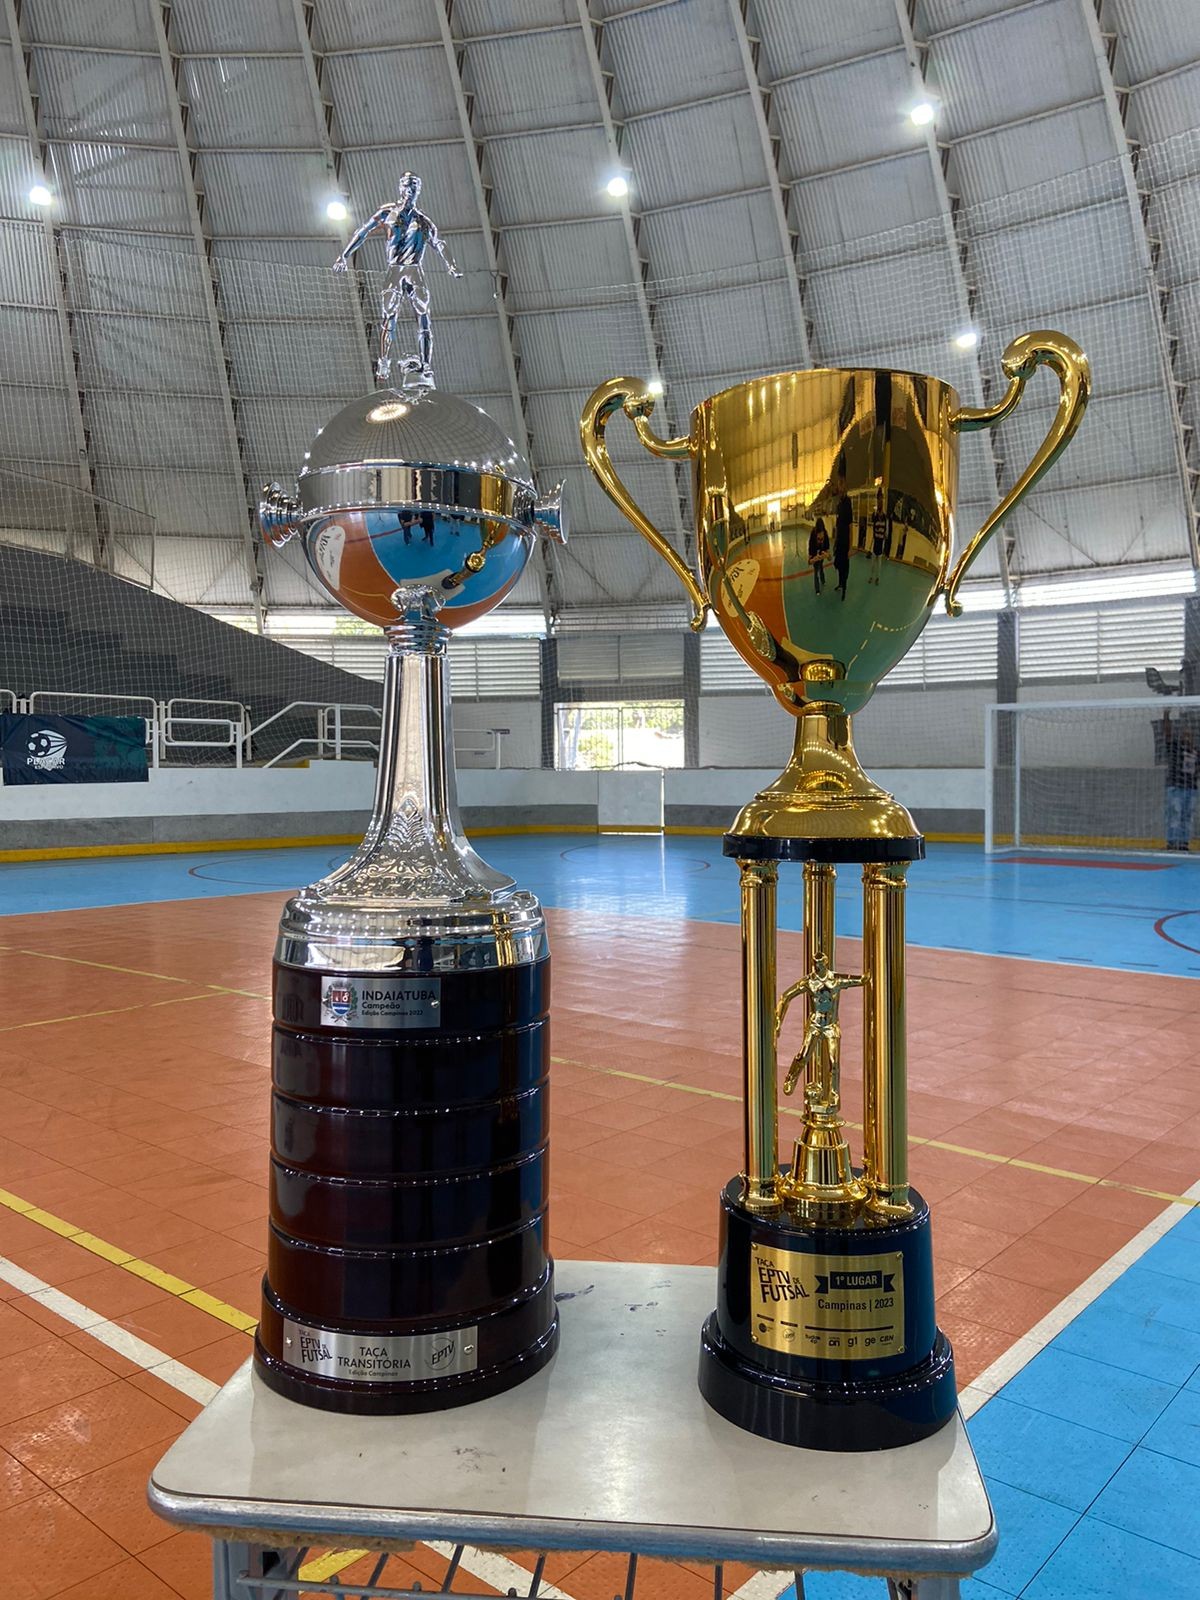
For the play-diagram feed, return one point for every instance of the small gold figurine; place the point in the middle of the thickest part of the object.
(818, 1054)
(821, 1186)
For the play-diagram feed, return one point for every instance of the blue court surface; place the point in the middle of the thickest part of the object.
(1140, 915)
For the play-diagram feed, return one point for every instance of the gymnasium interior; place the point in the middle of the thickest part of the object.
(888, 312)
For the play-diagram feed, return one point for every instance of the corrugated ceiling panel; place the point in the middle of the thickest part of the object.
(467, 355)
(531, 81)
(346, 23)
(447, 196)
(146, 430)
(1184, 314)
(1057, 66)
(12, 107)
(277, 432)
(716, 234)
(830, 214)
(491, 16)
(37, 425)
(1168, 107)
(25, 269)
(1115, 525)
(260, 193)
(236, 254)
(110, 186)
(159, 353)
(243, 101)
(560, 352)
(392, 95)
(651, 482)
(89, 94)
(940, 14)
(543, 178)
(852, 114)
(325, 362)
(1029, 273)
(208, 503)
(17, 173)
(541, 261)
(233, 24)
(1157, 35)
(878, 302)
(690, 154)
(1122, 436)
(701, 336)
(554, 424)
(30, 346)
(670, 53)
(110, 273)
(833, 30)
(991, 166)
(116, 25)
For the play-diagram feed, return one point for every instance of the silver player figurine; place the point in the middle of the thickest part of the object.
(409, 233)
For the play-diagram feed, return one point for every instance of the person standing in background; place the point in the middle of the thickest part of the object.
(818, 552)
(1183, 775)
(843, 522)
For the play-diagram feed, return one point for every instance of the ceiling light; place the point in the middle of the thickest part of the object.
(655, 386)
(389, 411)
(337, 211)
(39, 195)
(921, 114)
(617, 186)
(967, 339)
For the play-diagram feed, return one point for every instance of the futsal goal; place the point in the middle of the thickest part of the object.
(1093, 774)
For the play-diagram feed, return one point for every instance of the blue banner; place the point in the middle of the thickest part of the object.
(49, 749)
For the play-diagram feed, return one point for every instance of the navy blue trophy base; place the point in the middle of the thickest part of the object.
(832, 1390)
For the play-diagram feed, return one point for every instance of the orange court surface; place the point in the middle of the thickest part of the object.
(1054, 1110)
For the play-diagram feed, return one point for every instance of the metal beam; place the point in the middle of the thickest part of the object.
(454, 50)
(23, 75)
(161, 19)
(956, 250)
(760, 100)
(305, 14)
(1116, 106)
(604, 84)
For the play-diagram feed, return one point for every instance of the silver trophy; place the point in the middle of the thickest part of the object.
(407, 1264)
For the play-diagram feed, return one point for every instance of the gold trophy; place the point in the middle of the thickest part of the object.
(824, 505)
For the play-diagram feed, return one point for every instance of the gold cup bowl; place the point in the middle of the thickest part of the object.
(825, 521)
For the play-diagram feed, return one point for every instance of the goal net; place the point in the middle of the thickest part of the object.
(1093, 775)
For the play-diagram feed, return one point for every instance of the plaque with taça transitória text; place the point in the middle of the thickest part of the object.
(847, 1307)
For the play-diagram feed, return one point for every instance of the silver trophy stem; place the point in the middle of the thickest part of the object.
(414, 895)
(415, 834)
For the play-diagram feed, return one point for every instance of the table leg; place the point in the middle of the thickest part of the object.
(943, 1586)
(244, 1571)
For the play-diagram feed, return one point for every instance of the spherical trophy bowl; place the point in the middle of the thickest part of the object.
(411, 490)
(825, 521)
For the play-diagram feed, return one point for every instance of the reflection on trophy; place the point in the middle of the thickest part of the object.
(407, 1267)
(824, 1333)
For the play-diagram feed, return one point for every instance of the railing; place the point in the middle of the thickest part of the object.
(223, 730)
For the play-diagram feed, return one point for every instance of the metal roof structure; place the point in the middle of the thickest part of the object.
(173, 337)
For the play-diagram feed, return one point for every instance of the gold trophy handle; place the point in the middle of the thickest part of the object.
(632, 396)
(1025, 354)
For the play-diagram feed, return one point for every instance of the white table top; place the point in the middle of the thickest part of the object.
(610, 1447)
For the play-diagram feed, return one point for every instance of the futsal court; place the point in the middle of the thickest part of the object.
(1054, 1121)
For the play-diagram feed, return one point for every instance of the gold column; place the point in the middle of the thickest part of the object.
(758, 1034)
(820, 878)
(885, 1057)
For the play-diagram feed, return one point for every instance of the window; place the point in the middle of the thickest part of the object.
(599, 737)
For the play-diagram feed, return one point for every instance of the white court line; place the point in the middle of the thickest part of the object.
(1019, 1354)
(493, 1569)
(146, 1356)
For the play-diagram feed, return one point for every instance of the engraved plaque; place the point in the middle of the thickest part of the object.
(849, 1308)
(382, 1003)
(380, 1357)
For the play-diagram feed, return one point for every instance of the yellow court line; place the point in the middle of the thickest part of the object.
(933, 1144)
(109, 1011)
(134, 972)
(328, 1566)
(167, 1281)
